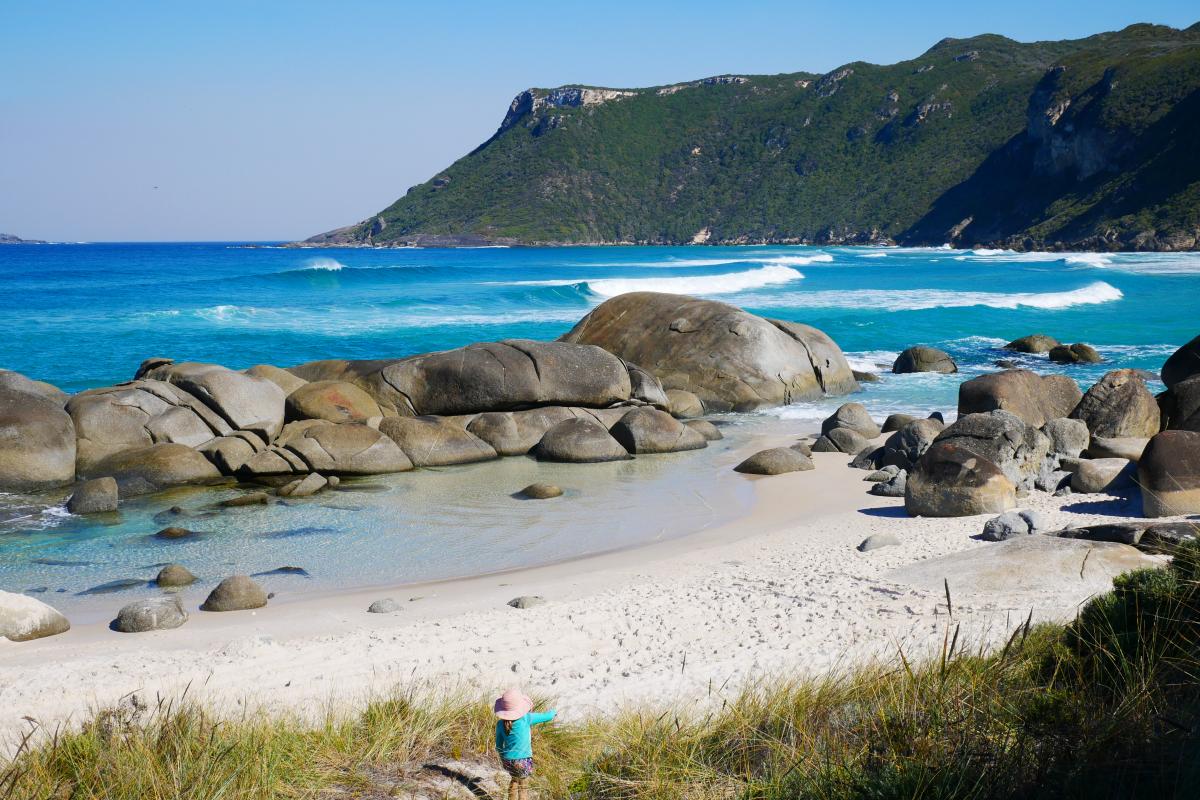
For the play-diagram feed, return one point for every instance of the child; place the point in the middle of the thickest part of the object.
(512, 738)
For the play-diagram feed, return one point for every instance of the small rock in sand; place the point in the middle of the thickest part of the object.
(892, 487)
(540, 491)
(878, 540)
(385, 606)
(252, 499)
(1006, 526)
(174, 532)
(526, 601)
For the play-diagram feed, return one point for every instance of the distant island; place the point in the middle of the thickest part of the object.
(8, 238)
(1068, 145)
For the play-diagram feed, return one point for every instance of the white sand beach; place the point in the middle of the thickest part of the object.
(780, 591)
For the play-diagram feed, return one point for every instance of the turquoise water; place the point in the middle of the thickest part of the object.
(86, 315)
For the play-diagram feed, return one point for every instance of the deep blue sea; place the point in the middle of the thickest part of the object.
(85, 315)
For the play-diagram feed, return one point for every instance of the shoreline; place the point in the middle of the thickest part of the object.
(780, 590)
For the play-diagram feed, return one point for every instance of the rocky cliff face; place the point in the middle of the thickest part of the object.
(982, 141)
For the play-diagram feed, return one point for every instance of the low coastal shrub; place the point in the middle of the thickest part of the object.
(1107, 706)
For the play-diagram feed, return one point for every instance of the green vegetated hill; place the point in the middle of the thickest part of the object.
(982, 141)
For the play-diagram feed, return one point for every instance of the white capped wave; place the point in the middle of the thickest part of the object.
(700, 284)
(1088, 260)
(924, 299)
(799, 261)
(324, 263)
(227, 313)
(872, 255)
(871, 360)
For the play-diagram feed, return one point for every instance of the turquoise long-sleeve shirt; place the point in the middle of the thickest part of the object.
(515, 745)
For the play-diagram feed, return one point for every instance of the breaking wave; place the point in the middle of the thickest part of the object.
(326, 264)
(700, 284)
(924, 299)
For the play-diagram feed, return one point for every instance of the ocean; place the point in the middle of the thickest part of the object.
(85, 315)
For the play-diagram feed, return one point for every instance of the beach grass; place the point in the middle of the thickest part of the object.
(1107, 706)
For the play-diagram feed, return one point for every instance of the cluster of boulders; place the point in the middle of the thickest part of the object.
(628, 380)
(1018, 431)
(1057, 351)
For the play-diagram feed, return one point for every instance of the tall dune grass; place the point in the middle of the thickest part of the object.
(1106, 707)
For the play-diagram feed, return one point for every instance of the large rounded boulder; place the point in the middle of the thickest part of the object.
(730, 359)
(852, 416)
(924, 359)
(335, 401)
(436, 441)
(1119, 406)
(236, 593)
(488, 376)
(1183, 364)
(138, 414)
(1034, 398)
(1078, 353)
(1180, 405)
(648, 430)
(346, 449)
(37, 437)
(952, 481)
(775, 461)
(246, 402)
(1169, 474)
(146, 470)
(1019, 450)
(579, 440)
(23, 618)
(150, 614)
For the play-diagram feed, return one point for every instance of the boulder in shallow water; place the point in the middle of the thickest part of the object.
(1078, 353)
(648, 430)
(924, 359)
(22, 618)
(1036, 399)
(335, 401)
(150, 614)
(710, 432)
(174, 575)
(37, 437)
(952, 481)
(775, 461)
(175, 532)
(683, 404)
(96, 496)
(436, 441)
(308, 486)
(579, 440)
(146, 470)
(248, 499)
(730, 359)
(1169, 474)
(1034, 343)
(1119, 405)
(236, 593)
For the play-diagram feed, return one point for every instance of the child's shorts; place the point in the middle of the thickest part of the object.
(519, 768)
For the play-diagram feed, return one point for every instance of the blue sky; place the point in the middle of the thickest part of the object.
(277, 120)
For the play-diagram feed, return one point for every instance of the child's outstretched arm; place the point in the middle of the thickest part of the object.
(537, 717)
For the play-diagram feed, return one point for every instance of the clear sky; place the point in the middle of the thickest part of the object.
(278, 120)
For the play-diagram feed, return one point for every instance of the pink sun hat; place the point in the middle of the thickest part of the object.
(512, 705)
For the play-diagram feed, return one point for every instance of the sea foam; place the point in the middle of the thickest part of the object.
(323, 263)
(700, 284)
(923, 299)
